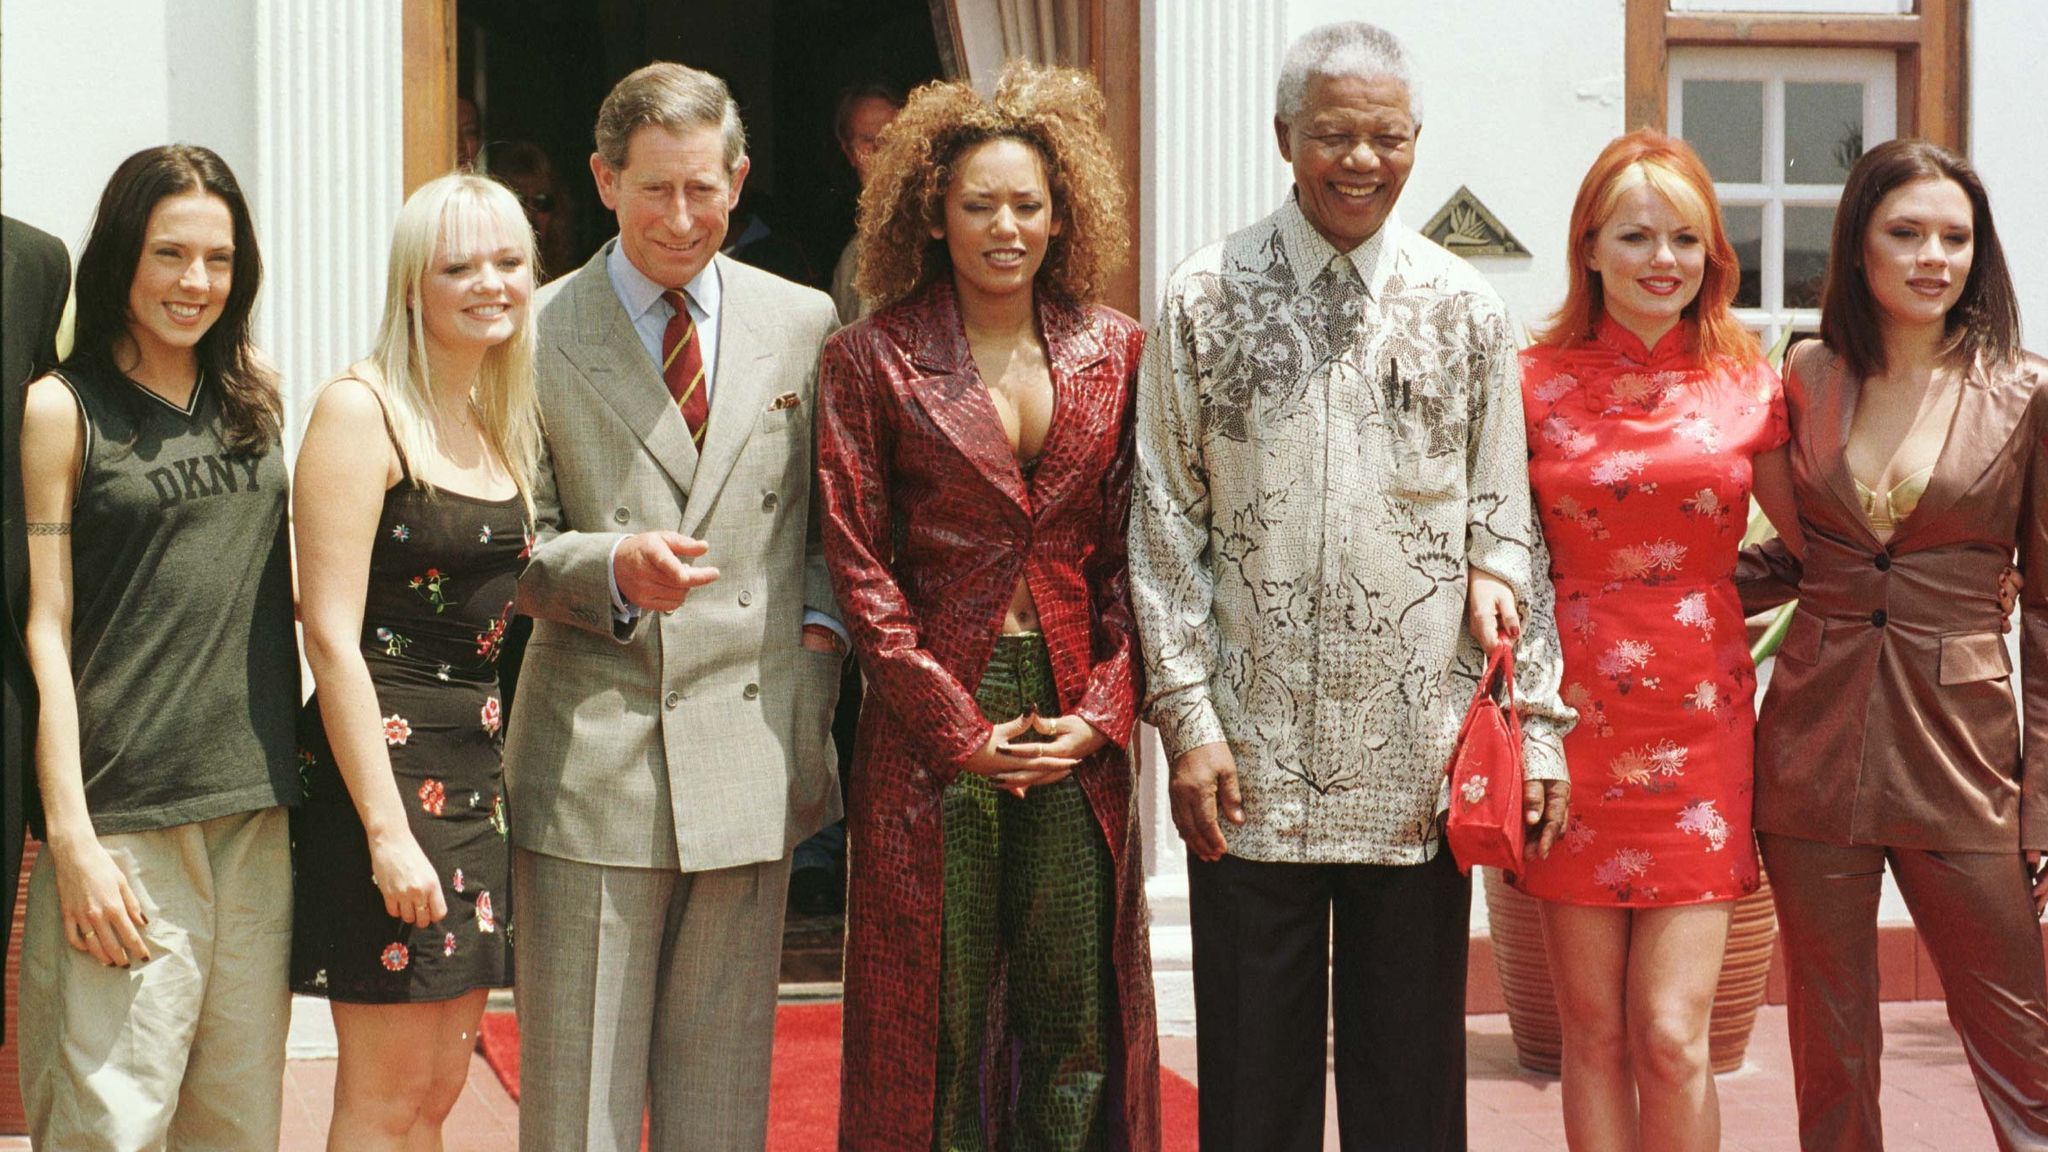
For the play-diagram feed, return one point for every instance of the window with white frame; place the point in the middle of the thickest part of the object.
(1778, 130)
(1855, 7)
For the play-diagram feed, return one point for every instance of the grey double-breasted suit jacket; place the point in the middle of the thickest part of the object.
(699, 738)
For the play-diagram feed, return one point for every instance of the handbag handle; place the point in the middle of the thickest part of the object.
(1500, 667)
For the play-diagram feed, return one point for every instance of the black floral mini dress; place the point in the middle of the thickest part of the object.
(442, 574)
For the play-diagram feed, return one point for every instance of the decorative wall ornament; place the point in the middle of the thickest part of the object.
(1465, 227)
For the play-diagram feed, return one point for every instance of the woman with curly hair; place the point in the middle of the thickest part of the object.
(975, 468)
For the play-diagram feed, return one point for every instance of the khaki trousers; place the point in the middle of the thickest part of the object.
(184, 1053)
(1974, 913)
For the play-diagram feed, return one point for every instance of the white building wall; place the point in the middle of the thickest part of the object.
(2008, 145)
(303, 99)
(1515, 107)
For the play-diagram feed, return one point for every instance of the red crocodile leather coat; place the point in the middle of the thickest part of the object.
(928, 525)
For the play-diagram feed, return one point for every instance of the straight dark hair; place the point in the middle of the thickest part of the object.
(251, 409)
(1985, 322)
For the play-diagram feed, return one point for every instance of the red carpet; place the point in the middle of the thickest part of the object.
(803, 1102)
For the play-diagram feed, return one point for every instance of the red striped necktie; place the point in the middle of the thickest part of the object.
(682, 366)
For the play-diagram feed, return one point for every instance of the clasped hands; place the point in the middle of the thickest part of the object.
(1033, 750)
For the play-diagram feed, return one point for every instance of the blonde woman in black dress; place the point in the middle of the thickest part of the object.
(413, 520)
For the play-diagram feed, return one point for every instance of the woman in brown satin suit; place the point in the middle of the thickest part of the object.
(974, 463)
(1889, 734)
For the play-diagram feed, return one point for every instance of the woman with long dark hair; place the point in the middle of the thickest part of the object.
(1889, 736)
(974, 462)
(153, 999)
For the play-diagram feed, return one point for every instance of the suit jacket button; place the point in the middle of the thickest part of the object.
(1877, 618)
(746, 598)
(672, 699)
(620, 515)
(751, 691)
(1883, 561)
(769, 502)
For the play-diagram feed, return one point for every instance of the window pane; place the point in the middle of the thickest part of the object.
(1806, 254)
(1823, 132)
(1724, 122)
(1746, 231)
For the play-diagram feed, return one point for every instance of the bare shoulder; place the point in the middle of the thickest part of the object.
(49, 405)
(350, 403)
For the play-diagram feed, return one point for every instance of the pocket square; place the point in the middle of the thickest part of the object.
(786, 400)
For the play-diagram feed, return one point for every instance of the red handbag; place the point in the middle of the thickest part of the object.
(1485, 824)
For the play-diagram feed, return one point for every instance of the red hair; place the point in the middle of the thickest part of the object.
(1670, 166)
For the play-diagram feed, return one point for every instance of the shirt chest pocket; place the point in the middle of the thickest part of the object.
(1425, 411)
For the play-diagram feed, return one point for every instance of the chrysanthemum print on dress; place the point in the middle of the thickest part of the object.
(1640, 466)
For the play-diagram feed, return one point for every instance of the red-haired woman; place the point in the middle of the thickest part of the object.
(1648, 406)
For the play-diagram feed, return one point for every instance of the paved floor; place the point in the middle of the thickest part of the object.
(1930, 1104)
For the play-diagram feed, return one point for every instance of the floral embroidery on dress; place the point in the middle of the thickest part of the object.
(397, 729)
(486, 920)
(1569, 509)
(483, 534)
(491, 641)
(1568, 440)
(1621, 871)
(1654, 562)
(395, 957)
(1577, 835)
(491, 718)
(1618, 472)
(457, 881)
(433, 797)
(1706, 504)
(432, 586)
(1654, 767)
(394, 643)
(1701, 818)
(1700, 429)
(401, 533)
(1592, 711)
(498, 814)
(448, 944)
(1621, 663)
(1706, 696)
(1692, 612)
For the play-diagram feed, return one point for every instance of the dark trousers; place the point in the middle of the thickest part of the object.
(1265, 962)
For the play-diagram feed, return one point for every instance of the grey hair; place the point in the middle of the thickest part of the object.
(674, 97)
(1349, 48)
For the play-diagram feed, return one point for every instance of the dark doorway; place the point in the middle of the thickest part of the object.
(537, 70)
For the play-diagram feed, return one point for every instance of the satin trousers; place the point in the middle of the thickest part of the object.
(1975, 915)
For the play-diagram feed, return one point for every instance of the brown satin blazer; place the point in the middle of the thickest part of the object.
(1890, 716)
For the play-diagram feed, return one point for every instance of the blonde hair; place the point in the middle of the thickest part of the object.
(460, 213)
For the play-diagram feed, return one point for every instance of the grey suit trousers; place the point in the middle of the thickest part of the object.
(660, 997)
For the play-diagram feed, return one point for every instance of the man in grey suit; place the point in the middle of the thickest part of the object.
(671, 742)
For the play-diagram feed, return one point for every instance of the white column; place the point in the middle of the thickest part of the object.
(330, 108)
(1210, 167)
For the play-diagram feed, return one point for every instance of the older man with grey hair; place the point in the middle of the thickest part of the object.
(670, 746)
(1332, 493)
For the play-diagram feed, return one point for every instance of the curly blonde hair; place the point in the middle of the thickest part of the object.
(1059, 113)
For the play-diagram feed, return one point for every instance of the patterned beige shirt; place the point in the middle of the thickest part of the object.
(1325, 441)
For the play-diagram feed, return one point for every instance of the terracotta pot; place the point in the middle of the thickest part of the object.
(1745, 970)
(1524, 970)
(14, 1117)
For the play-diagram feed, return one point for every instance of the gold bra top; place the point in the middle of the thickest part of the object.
(1884, 510)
